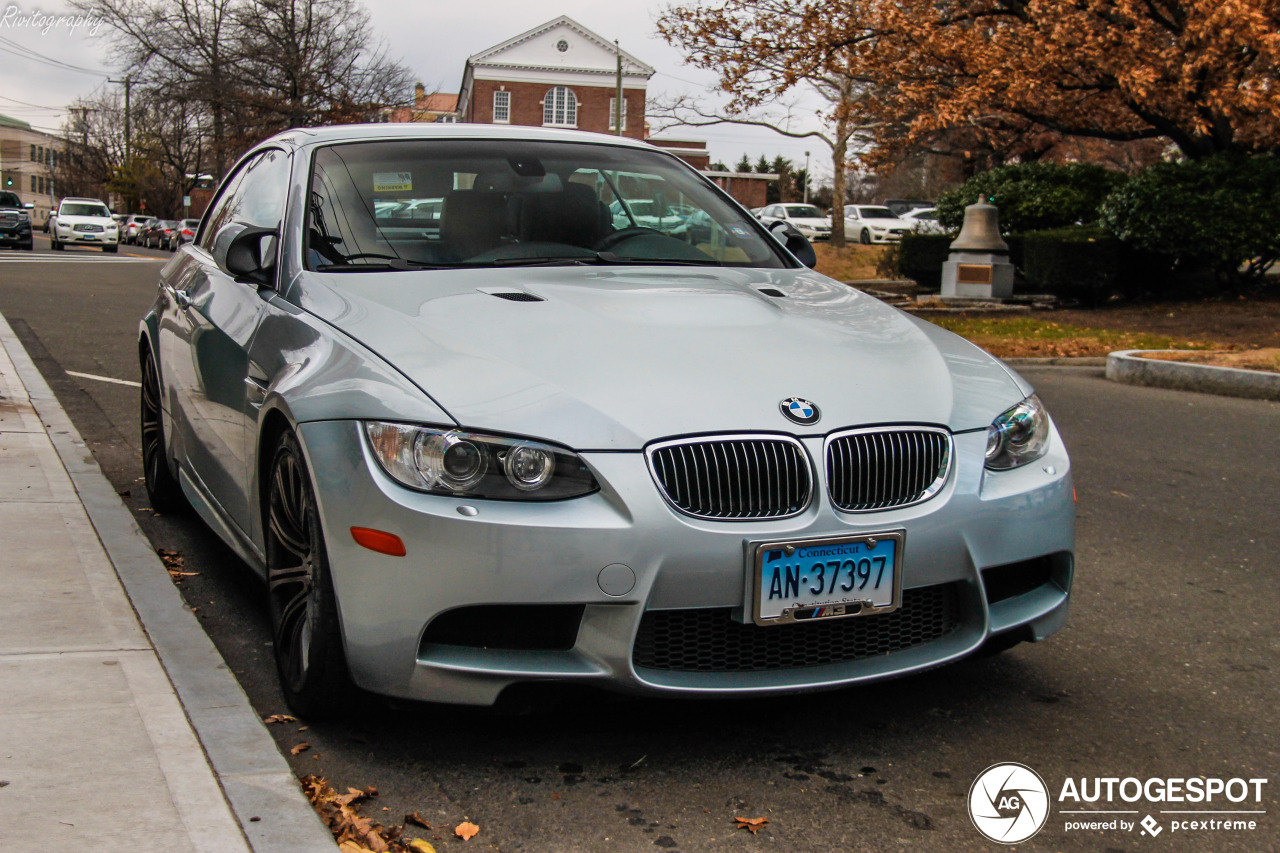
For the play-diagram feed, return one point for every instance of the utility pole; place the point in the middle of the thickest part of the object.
(617, 102)
(806, 177)
(128, 115)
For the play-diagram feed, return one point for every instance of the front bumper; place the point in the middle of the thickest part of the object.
(579, 556)
(94, 238)
(17, 235)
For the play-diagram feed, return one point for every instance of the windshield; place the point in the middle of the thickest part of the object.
(401, 204)
(8, 199)
(876, 213)
(804, 211)
(84, 209)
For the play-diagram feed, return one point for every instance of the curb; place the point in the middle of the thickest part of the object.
(1063, 361)
(1128, 366)
(257, 782)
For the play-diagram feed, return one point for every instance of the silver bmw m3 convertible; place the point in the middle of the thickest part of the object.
(497, 405)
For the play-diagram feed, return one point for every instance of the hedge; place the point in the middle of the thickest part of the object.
(1083, 263)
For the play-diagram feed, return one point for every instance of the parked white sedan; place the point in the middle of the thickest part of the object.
(873, 224)
(924, 220)
(807, 219)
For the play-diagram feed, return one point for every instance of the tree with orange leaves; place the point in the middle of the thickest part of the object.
(1202, 74)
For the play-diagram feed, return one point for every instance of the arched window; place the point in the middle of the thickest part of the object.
(560, 107)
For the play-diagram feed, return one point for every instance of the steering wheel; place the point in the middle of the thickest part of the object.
(621, 236)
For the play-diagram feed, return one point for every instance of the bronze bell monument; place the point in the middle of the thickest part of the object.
(978, 267)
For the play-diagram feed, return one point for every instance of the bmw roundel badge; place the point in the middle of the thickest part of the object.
(800, 410)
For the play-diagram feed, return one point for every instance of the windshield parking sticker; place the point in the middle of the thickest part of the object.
(392, 182)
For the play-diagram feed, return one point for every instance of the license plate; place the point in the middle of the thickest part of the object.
(828, 578)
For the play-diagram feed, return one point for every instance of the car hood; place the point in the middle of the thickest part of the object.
(90, 220)
(612, 359)
(882, 223)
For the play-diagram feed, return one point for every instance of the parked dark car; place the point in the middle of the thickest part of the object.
(133, 224)
(185, 232)
(156, 235)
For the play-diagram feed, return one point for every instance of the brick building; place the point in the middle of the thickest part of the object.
(559, 74)
(27, 157)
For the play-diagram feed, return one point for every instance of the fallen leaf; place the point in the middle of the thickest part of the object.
(353, 847)
(303, 728)
(466, 830)
(302, 747)
(279, 718)
(751, 823)
(418, 819)
(421, 846)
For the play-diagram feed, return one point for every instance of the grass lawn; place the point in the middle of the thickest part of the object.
(852, 263)
(1037, 336)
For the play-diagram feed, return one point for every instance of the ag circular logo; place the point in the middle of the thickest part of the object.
(1008, 803)
(800, 410)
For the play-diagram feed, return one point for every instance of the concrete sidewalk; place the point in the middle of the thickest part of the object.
(120, 727)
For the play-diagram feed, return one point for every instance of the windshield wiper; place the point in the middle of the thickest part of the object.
(397, 264)
(611, 258)
(597, 259)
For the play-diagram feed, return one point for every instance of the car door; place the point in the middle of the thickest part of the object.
(205, 335)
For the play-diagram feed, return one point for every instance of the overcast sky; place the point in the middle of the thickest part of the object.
(432, 38)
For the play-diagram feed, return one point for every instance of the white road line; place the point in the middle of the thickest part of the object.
(74, 258)
(128, 382)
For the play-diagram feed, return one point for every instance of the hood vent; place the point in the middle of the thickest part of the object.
(773, 291)
(518, 296)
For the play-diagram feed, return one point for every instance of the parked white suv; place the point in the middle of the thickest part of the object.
(84, 222)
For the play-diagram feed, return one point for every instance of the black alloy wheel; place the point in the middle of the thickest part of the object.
(162, 488)
(304, 609)
(865, 237)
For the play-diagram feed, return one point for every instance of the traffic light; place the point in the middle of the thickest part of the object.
(8, 182)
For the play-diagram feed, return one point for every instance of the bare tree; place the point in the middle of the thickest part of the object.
(314, 61)
(840, 91)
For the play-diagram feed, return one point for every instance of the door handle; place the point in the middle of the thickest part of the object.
(180, 297)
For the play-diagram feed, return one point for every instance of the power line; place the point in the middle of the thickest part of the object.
(25, 104)
(27, 53)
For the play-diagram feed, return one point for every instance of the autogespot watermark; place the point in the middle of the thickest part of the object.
(1010, 802)
(14, 18)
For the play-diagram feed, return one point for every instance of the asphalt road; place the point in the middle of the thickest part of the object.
(1166, 669)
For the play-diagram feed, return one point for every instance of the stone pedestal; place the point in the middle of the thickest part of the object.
(977, 275)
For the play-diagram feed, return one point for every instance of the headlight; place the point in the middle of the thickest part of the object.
(453, 462)
(1018, 436)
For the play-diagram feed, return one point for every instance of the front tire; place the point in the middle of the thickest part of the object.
(162, 487)
(865, 237)
(111, 250)
(304, 609)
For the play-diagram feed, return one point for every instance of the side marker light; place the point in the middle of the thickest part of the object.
(379, 540)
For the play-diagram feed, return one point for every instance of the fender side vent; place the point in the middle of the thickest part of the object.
(518, 296)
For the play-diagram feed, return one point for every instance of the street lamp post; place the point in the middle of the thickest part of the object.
(806, 177)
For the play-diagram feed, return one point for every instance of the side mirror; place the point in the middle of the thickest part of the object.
(248, 253)
(29, 206)
(791, 238)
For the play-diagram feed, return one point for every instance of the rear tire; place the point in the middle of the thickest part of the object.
(304, 609)
(162, 487)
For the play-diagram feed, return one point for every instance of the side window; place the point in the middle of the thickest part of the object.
(255, 196)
